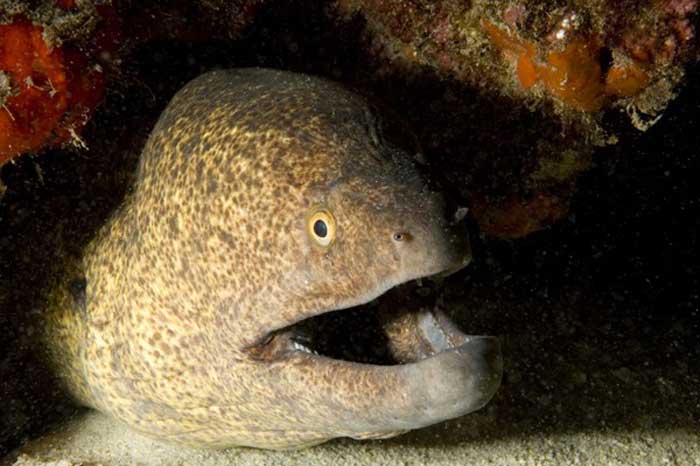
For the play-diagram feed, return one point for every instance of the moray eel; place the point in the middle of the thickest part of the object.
(262, 200)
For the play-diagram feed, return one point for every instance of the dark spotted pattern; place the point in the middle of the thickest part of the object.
(211, 252)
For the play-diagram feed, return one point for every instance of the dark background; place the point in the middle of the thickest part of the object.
(598, 314)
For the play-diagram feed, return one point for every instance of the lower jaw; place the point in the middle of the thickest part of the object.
(395, 364)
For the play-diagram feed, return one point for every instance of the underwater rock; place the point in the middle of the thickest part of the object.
(598, 49)
(570, 68)
(54, 55)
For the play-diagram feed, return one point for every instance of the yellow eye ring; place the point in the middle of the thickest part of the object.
(321, 227)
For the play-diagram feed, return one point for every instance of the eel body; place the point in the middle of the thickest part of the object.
(263, 200)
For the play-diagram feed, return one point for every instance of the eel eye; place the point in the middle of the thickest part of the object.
(321, 226)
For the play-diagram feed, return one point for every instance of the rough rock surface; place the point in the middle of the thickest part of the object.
(573, 76)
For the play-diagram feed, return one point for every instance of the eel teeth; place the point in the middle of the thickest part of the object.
(299, 347)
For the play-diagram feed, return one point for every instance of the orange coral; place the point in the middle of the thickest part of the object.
(66, 4)
(53, 92)
(517, 218)
(626, 81)
(38, 79)
(573, 75)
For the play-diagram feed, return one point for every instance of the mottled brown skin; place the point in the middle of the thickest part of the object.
(211, 252)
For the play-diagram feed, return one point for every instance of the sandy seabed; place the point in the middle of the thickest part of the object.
(97, 439)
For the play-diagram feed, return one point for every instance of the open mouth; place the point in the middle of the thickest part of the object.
(393, 364)
(405, 325)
